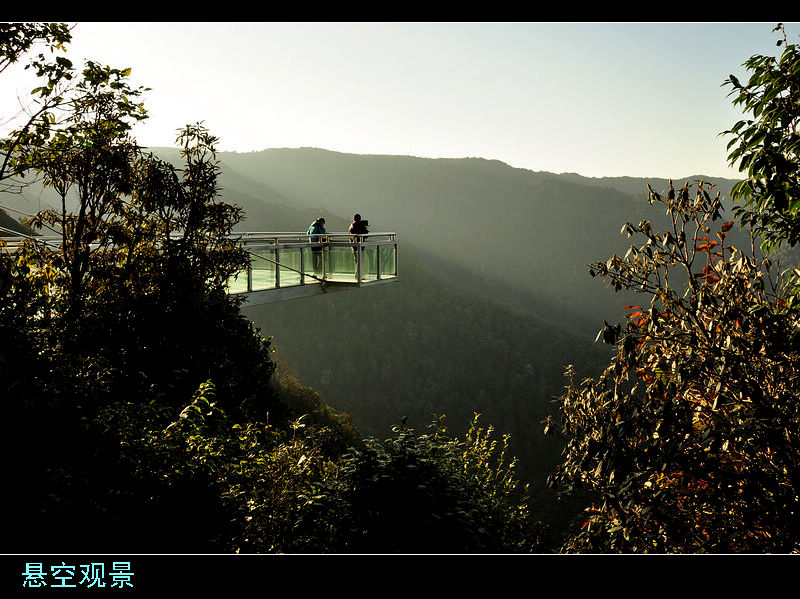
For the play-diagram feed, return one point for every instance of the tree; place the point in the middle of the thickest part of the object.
(767, 145)
(688, 441)
(16, 41)
(88, 157)
(130, 309)
(434, 493)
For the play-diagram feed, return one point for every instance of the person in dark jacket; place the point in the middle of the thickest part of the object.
(316, 231)
(357, 229)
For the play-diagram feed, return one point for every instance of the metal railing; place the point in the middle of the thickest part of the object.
(290, 259)
(287, 259)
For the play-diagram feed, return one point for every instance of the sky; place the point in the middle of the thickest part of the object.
(599, 99)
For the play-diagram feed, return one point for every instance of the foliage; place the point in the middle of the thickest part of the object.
(335, 430)
(131, 267)
(767, 145)
(260, 478)
(281, 491)
(435, 494)
(23, 297)
(687, 441)
(16, 40)
(128, 310)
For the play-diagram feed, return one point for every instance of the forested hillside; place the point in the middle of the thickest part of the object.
(489, 310)
(417, 349)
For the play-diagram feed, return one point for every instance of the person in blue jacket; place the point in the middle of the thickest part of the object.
(315, 232)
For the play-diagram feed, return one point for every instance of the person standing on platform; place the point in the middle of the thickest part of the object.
(315, 231)
(358, 228)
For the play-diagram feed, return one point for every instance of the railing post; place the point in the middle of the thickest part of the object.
(277, 266)
(250, 274)
(358, 263)
(302, 267)
(378, 262)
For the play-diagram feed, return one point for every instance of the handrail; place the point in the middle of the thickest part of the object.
(247, 236)
(304, 237)
(257, 243)
(307, 234)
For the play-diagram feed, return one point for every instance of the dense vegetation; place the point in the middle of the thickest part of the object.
(688, 441)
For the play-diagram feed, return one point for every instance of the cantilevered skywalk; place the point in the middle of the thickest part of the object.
(292, 265)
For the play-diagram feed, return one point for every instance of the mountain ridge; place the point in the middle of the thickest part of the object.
(532, 230)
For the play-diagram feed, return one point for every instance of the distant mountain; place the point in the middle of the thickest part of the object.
(527, 236)
(637, 185)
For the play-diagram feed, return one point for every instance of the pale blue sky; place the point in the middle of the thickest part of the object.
(639, 99)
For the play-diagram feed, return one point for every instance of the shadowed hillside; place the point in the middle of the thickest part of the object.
(416, 349)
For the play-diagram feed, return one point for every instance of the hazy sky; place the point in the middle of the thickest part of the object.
(639, 99)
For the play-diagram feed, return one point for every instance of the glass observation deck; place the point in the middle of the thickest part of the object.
(289, 265)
